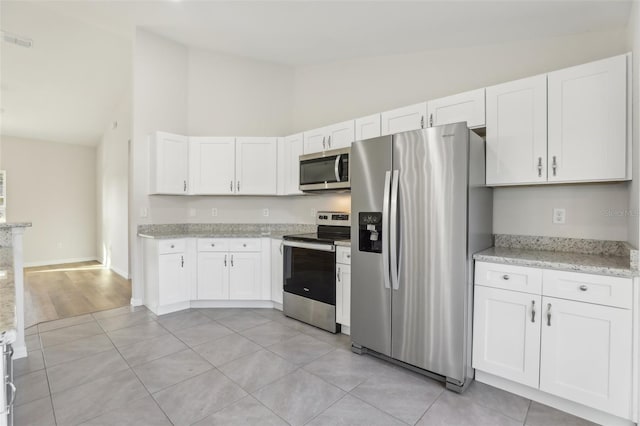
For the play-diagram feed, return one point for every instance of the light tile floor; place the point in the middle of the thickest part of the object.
(235, 367)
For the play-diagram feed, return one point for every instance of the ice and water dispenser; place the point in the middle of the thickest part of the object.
(370, 232)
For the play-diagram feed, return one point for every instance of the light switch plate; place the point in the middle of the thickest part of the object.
(214, 212)
(265, 212)
(144, 212)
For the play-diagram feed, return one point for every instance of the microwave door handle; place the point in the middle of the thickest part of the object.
(337, 168)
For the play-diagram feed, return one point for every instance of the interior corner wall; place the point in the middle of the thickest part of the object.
(112, 167)
(633, 212)
(330, 93)
(52, 185)
(159, 103)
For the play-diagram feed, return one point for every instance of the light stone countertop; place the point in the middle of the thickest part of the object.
(618, 266)
(343, 243)
(15, 225)
(7, 297)
(222, 230)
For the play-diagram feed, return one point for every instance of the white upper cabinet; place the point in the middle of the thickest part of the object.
(587, 354)
(169, 164)
(517, 132)
(412, 117)
(315, 141)
(368, 127)
(289, 152)
(256, 166)
(588, 122)
(467, 106)
(335, 136)
(212, 165)
(341, 135)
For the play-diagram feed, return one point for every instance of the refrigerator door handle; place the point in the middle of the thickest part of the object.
(385, 229)
(393, 231)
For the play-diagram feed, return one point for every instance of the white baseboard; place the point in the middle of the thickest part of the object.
(136, 302)
(232, 304)
(344, 329)
(19, 352)
(59, 261)
(123, 274)
(537, 395)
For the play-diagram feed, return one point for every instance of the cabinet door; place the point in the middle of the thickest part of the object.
(588, 122)
(341, 135)
(213, 276)
(368, 127)
(169, 164)
(517, 132)
(212, 165)
(468, 106)
(506, 334)
(256, 166)
(276, 270)
(244, 276)
(411, 117)
(586, 354)
(292, 147)
(315, 141)
(343, 294)
(172, 277)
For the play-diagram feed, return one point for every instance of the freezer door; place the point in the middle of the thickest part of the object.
(370, 283)
(429, 212)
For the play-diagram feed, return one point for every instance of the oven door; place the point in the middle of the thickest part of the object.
(310, 271)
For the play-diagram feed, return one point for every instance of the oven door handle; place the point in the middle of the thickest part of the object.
(310, 246)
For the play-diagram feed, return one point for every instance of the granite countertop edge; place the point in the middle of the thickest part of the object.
(8, 326)
(572, 262)
(15, 225)
(161, 236)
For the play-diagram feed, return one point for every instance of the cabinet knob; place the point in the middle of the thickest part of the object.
(244, 245)
(172, 246)
(505, 277)
(348, 256)
(583, 288)
(213, 245)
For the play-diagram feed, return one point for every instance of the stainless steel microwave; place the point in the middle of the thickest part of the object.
(328, 170)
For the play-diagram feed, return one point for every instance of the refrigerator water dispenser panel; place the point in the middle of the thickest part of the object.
(370, 232)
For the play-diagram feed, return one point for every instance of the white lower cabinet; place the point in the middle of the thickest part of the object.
(173, 282)
(244, 276)
(343, 286)
(229, 269)
(213, 276)
(166, 272)
(579, 350)
(276, 271)
(586, 354)
(506, 339)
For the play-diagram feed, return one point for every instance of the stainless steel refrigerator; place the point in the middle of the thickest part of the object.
(419, 211)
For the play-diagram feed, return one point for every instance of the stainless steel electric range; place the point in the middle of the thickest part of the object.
(310, 271)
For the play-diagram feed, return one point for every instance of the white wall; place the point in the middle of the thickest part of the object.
(112, 161)
(633, 44)
(52, 185)
(339, 91)
(234, 96)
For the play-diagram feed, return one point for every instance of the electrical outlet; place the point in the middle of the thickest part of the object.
(214, 212)
(313, 212)
(559, 216)
(265, 212)
(144, 212)
(192, 212)
(59, 245)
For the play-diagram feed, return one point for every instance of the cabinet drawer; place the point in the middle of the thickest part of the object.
(239, 244)
(343, 255)
(517, 278)
(213, 244)
(171, 246)
(599, 289)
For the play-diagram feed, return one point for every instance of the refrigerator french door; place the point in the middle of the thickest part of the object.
(413, 198)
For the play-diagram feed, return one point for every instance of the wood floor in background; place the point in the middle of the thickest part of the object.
(61, 291)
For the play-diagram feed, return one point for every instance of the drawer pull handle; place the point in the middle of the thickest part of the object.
(583, 288)
(505, 277)
(172, 246)
(225, 260)
(549, 315)
(244, 245)
(533, 311)
(231, 260)
(213, 245)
